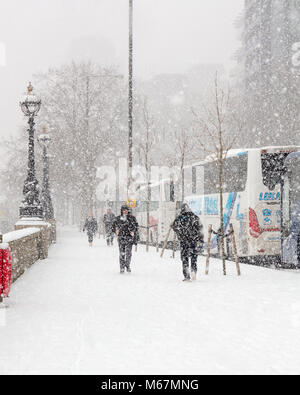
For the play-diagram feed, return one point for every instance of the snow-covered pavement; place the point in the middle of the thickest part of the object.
(74, 313)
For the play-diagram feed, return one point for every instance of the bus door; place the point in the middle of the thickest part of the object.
(290, 227)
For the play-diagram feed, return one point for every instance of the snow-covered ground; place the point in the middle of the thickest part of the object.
(74, 313)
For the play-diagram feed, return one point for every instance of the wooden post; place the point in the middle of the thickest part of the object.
(227, 248)
(174, 246)
(166, 242)
(208, 249)
(157, 240)
(235, 250)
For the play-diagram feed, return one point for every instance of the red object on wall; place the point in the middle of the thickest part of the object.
(5, 271)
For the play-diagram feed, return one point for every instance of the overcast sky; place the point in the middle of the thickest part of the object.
(170, 36)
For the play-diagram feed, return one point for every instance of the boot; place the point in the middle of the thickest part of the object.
(186, 280)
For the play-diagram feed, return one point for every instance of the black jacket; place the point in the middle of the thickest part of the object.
(127, 225)
(108, 221)
(188, 228)
(91, 226)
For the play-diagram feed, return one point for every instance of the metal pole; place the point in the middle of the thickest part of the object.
(31, 206)
(130, 99)
(46, 194)
(44, 141)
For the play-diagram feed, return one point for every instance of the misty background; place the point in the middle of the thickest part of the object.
(170, 36)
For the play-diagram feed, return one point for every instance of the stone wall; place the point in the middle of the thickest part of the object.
(28, 245)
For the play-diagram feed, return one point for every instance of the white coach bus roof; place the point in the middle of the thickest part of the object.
(243, 151)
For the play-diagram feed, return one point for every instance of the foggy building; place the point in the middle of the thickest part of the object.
(271, 75)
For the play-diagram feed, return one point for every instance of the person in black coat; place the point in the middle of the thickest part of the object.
(108, 221)
(127, 229)
(189, 231)
(91, 226)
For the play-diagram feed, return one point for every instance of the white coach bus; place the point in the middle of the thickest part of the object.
(162, 210)
(252, 179)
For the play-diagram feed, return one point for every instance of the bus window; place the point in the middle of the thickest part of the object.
(273, 169)
(167, 191)
(155, 193)
(194, 180)
(199, 170)
(211, 178)
(142, 193)
(188, 181)
(235, 174)
(295, 186)
(141, 206)
(235, 171)
(154, 206)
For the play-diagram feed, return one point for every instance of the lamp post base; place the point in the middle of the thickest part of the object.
(31, 212)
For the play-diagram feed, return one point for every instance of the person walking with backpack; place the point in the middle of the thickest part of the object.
(108, 221)
(127, 230)
(91, 226)
(189, 231)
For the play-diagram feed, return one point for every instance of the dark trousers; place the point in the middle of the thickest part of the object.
(109, 238)
(189, 250)
(90, 237)
(125, 254)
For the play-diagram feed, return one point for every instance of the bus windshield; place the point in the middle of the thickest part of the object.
(291, 197)
(295, 184)
(273, 168)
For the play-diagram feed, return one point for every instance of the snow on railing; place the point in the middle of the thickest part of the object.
(19, 234)
(32, 222)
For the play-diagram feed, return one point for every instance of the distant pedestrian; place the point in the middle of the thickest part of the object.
(189, 231)
(108, 220)
(91, 226)
(127, 229)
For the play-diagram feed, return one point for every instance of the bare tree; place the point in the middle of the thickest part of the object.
(145, 146)
(84, 106)
(185, 144)
(217, 132)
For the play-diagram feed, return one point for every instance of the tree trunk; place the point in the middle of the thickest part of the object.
(148, 226)
(182, 177)
(222, 245)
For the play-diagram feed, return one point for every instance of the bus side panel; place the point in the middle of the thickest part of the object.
(264, 214)
(235, 213)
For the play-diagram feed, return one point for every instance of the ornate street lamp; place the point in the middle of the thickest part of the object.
(48, 212)
(31, 205)
(130, 100)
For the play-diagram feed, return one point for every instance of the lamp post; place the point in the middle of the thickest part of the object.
(130, 100)
(48, 212)
(31, 205)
